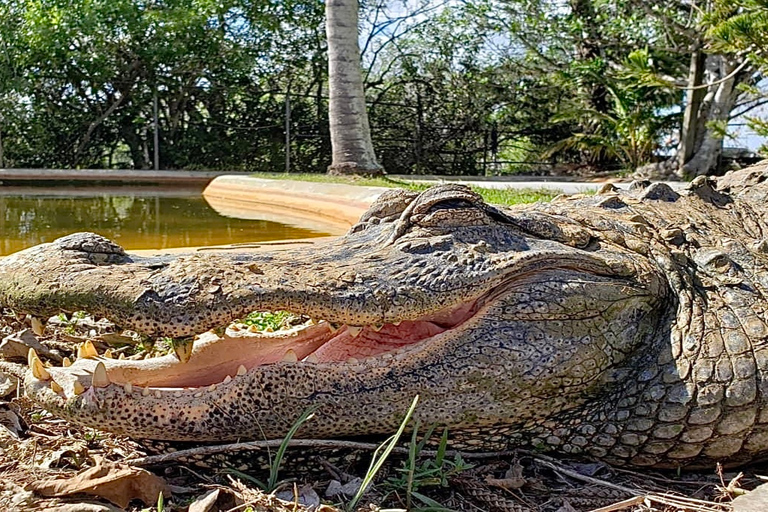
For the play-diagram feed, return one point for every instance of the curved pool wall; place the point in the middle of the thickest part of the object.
(329, 207)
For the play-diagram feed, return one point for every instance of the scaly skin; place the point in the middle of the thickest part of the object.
(627, 327)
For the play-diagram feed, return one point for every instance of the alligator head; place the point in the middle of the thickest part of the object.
(511, 325)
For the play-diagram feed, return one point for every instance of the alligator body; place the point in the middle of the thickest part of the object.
(629, 327)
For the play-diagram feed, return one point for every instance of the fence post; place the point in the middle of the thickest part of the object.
(156, 135)
(2, 159)
(288, 130)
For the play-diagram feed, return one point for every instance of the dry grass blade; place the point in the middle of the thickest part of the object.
(689, 504)
(621, 505)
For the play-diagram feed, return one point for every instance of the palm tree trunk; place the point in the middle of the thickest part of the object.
(715, 107)
(351, 144)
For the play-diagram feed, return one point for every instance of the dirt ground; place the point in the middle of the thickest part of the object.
(49, 464)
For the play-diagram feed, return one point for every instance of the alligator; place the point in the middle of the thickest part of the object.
(624, 326)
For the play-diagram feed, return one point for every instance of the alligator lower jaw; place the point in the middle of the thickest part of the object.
(217, 359)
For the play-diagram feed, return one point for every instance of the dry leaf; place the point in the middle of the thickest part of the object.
(8, 384)
(16, 346)
(83, 507)
(306, 496)
(77, 453)
(217, 499)
(118, 483)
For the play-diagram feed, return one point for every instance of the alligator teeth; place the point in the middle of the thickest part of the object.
(78, 388)
(397, 323)
(108, 354)
(121, 356)
(235, 327)
(36, 365)
(253, 328)
(183, 349)
(199, 394)
(37, 326)
(354, 330)
(128, 387)
(158, 394)
(353, 360)
(290, 356)
(311, 358)
(66, 362)
(376, 327)
(333, 327)
(227, 380)
(212, 387)
(241, 370)
(100, 377)
(56, 388)
(145, 392)
(87, 350)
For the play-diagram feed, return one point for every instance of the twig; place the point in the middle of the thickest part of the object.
(688, 503)
(299, 443)
(631, 502)
(592, 480)
(656, 478)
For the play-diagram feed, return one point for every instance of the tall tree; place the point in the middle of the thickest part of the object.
(352, 148)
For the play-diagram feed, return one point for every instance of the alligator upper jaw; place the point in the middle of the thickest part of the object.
(217, 359)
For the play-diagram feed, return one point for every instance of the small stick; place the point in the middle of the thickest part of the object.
(588, 479)
(631, 502)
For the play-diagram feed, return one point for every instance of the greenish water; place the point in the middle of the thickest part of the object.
(134, 217)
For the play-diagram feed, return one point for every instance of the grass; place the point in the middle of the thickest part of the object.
(380, 456)
(269, 321)
(435, 472)
(274, 466)
(507, 196)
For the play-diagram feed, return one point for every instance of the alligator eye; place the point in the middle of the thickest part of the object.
(451, 212)
(450, 204)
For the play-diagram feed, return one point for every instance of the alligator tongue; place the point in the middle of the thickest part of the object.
(370, 341)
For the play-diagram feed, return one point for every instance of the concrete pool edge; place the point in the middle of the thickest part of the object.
(335, 204)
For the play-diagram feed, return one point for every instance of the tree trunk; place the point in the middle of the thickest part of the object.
(689, 135)
(351, 144)
(715, 109)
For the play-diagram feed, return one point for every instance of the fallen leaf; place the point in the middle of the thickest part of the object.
(118, 483)
(83, 507)
(73, 455)
(306, 496)
(15, 347)
(8, 384)
(212, 501)
(11, 421)
(513, 478)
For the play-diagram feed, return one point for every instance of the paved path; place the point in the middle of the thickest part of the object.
(565, 186)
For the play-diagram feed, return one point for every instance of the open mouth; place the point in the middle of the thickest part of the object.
(216, 359)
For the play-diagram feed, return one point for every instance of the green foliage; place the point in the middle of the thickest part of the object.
(80, 79)
(417, 474)
(380, 456)
(272, 320)
(457, 88)
(274, 466)
(628, 132)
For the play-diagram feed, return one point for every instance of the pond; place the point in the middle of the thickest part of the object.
(134, 217)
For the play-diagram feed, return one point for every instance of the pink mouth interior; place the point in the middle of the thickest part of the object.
(370, 342)
(215, 358)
